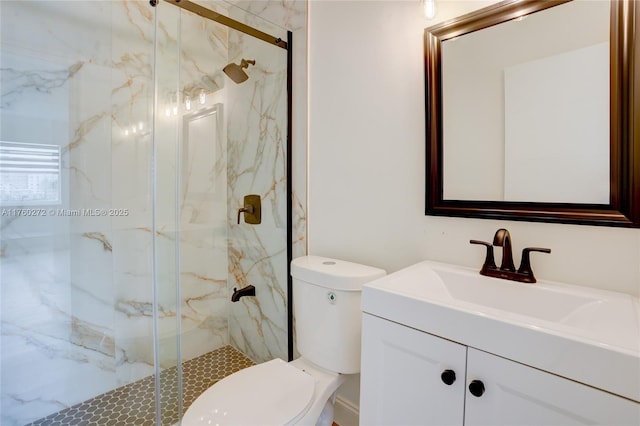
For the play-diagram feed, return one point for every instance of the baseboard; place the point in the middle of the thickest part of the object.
(346, 413)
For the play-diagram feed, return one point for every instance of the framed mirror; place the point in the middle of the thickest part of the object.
(532, 112)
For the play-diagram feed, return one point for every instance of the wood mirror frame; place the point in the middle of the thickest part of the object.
(624, 206)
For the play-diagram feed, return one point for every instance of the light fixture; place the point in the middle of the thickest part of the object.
(175, 98)
(430, 9)
(178, 103)
(137, 131)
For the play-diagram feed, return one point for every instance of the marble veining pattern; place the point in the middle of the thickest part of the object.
(257, 165)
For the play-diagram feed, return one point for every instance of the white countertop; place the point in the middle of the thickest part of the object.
(588, 335)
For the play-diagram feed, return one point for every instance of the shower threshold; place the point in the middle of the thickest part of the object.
(134, 404)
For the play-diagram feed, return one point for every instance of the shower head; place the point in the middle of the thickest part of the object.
(236, 72)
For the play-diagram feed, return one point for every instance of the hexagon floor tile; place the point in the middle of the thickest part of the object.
(134, 404)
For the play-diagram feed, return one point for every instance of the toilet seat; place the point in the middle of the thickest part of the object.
(272, 393)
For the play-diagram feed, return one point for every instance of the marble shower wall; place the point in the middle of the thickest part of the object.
(257, 131)
(255, 117)
(256, 143)
(292, 16)
(203, 184)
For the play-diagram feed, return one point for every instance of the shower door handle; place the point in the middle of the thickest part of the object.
(252, 210)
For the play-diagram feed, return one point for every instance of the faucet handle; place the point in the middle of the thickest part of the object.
(525, 263)
(489, 262)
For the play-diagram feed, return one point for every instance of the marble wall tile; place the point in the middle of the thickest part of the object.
(292, 15)
(131, 58)
(257, 165)
(91, 291)
(203, 285)
(133, 304)
(288, 14)
(48, 351)
(203, 51)
(191, 161)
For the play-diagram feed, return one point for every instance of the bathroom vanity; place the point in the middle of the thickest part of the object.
(444, 345)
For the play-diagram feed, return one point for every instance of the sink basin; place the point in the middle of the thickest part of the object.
(540, 301)
(573, 310)
(589, 335)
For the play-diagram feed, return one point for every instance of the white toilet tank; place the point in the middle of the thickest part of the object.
(326, 304)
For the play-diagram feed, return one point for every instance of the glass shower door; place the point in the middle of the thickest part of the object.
(125, 154)
(76, 210)
(227, 140)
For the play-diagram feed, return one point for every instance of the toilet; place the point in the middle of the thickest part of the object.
(326, 302)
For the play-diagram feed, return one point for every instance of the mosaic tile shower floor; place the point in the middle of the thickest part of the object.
(134, 404)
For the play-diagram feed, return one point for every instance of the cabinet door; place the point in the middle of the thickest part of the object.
(401, 381)
(515, 394)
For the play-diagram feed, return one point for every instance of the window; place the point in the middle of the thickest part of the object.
(29, 174)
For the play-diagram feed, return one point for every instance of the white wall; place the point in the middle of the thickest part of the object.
(367, 159)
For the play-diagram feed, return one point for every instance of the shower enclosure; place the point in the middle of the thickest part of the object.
(125, 155)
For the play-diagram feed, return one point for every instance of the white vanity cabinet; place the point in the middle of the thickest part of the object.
(515, 394)
(402, 383)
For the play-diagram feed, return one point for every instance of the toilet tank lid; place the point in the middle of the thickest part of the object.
(333, 273)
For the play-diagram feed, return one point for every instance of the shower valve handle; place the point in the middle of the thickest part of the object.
(247, 209)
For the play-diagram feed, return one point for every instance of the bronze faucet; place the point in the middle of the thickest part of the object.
(502, 238)
(507, 270)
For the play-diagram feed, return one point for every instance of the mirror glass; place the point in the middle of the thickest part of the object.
(525, 108)
(532, 113)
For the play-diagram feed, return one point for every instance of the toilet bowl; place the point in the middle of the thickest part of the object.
(326, 294)
(272, 393)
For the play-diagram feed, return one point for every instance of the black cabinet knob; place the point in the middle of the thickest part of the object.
(448, 377)
(476, 387)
